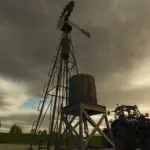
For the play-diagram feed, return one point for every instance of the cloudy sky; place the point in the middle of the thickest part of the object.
(117, 55)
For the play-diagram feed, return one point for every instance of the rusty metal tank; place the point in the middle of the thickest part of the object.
(82, 89)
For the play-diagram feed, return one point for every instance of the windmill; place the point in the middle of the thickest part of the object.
(64, 66)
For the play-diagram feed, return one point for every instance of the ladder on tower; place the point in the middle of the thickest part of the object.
(41, 145)
(33, 129)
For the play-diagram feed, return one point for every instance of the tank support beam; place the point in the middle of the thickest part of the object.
(80, 114)
(96, 127)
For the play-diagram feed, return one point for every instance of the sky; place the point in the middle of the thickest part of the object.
(117, 54)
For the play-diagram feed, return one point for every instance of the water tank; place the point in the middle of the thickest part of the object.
(82, 89)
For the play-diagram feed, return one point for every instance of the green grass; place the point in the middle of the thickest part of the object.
(22, 138)
(28, 138)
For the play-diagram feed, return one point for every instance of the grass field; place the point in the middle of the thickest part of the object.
(23, 147)
(26, 139)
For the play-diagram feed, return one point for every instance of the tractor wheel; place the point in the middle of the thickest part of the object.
(122, 136)
(147, 145)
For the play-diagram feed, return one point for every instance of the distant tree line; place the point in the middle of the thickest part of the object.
(40, 132)
(16, 130)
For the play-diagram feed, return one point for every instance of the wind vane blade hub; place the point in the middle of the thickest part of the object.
(65, 25)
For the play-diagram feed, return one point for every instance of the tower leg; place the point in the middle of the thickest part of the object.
(108, 127)
(59, 135)
(81, 130)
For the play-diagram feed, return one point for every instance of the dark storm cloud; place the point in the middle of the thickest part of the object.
(25, 45)
(24, 120)
(16, 117)
(28, 37)
(128, 97)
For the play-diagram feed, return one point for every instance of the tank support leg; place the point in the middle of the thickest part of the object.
(96, 127)
(108, 127)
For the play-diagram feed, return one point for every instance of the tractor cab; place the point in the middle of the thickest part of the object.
(127, 112)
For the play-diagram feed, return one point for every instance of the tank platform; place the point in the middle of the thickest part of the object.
(90, 109)
(84, 112)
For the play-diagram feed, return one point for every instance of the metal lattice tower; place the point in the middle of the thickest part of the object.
(56, 90)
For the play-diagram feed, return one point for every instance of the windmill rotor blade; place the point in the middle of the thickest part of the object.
(82, 30)
(86, 33)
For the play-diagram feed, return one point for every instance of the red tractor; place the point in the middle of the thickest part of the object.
(130, 129)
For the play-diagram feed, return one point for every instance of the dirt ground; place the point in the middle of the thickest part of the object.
(22, 147)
